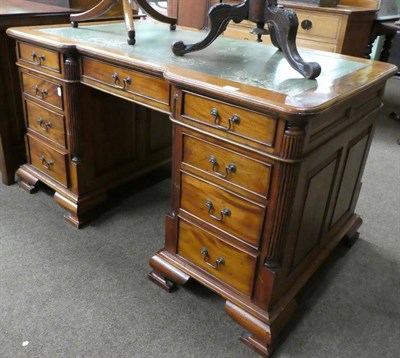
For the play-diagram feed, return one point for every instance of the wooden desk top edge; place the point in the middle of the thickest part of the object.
(308, 102)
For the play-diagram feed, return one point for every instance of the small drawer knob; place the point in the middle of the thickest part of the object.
(306, 25)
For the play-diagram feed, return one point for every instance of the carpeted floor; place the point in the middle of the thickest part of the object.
(85, 293)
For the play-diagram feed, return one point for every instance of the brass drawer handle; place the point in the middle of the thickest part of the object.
(230, 168)
(126, 81)
(219, 261)
(234, 120)
(40, 93)
(37, 59)
(46, 163)
(45, 125)
(223, 213)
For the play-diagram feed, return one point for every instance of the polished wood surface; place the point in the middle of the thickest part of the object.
(341, 29)
(17, 13)
(266, 165)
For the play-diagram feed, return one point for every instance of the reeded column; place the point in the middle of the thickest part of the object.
(291, 149)
(72, 75)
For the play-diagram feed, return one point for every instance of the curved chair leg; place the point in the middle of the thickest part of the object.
(156, 15)
(92, 13)
(283, 24)
(219, 17)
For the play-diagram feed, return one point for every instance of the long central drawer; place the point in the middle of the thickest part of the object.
(141, 87)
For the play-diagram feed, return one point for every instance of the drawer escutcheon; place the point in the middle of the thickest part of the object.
(46, 163)
(38, 59)
(126, 81)
(45, 125)
(234, 120)
(219, 261)
(40, 93)
(230, 168)
(223, 213)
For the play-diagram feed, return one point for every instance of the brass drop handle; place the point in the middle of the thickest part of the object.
(46, 163)
(40, 93)
(126, 81)
(223, 213)
(234, 120)
(229, 168)
(45, 125)
(219, 261)
(37, 59)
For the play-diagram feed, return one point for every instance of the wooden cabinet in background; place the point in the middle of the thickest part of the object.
(341, 29)
(191, 13)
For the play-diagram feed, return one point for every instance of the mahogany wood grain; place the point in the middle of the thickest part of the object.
(238, 267)
(249, 174)
(299, 150)
(46, 122)
(49, 161)
(17, 13)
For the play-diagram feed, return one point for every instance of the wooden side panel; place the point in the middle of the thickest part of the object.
(319, 187)
(351, 177)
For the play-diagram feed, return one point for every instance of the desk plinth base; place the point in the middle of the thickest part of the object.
(80, 211)
(263, 327)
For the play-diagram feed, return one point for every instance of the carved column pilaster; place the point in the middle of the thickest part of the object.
(292, 146)
(72, 75)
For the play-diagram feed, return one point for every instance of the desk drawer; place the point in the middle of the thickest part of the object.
(230, 213)
(145, 88)
(235, 267)
(43, 90)
(230, 166)
(228, 120)
(39, 57)
(322, 27)
(46, 122)
(48, 160)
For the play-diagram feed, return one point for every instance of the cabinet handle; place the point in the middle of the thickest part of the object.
(306, 25)
(45, 125)
(234, 120)
(230, 168)
(40, 93)
(223, 213)
(219, 261)
(37, 59)
(126, 81)
(46, 163)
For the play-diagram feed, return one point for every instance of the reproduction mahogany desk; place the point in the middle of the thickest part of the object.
(12, 129)
(266, 165)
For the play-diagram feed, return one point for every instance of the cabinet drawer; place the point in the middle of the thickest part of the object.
(222, 163)
(228, 212)
(48, 160)
(323, 27)
(235, 267)
(143, 87)
(39, 57)
(42, 90)
(47, 123)
(228, 120)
